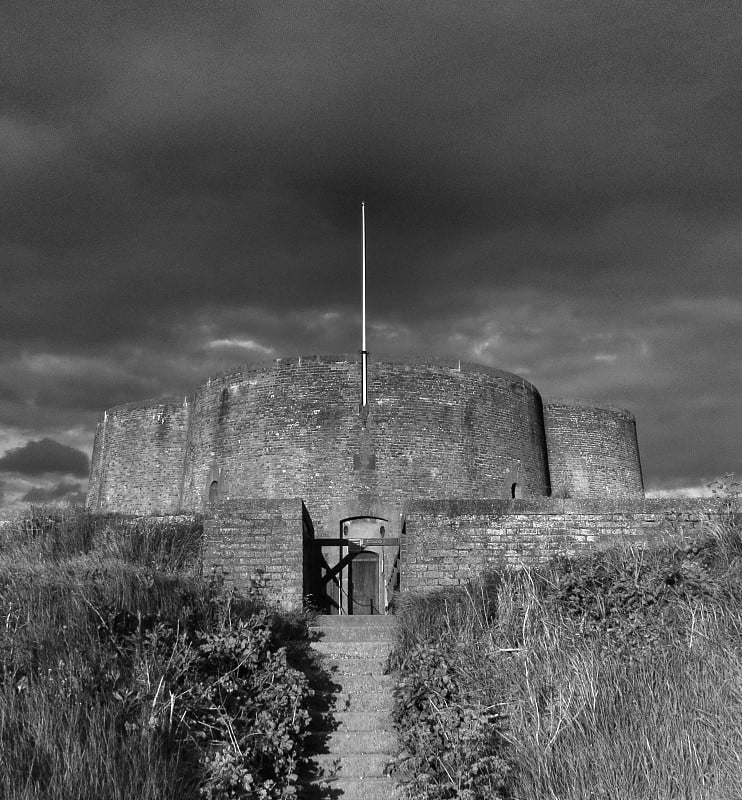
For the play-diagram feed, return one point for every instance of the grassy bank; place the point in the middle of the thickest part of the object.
(126, 674)
(614, 676)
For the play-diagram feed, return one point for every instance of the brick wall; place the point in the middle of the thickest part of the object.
(266, 544)
(451, 542)
(592, 450)
(292, 427)
(258, 544)
(433, 429)
(137, 463)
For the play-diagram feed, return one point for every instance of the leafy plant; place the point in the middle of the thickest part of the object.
(123, 675)
(612, 675)
(452, 745)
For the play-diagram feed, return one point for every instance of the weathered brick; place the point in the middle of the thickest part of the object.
(477, 544)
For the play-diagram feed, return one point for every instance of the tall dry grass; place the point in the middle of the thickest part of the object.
(102, 672)
(51, 534)
(617, 676)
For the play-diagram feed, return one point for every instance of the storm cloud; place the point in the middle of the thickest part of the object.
(43, 457)
(552, 189)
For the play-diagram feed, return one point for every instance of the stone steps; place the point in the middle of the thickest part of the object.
(353, 649)
(350, 721)
(371, 665)
(351, 737)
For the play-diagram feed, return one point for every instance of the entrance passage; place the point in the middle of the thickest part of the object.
(363, 583)
(357, 572)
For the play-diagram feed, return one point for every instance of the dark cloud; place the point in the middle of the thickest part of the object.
(66, 492)
(545, 183)
(45, 456)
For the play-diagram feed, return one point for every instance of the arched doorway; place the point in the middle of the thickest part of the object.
(359, 571)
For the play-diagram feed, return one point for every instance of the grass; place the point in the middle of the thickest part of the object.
(125, 674)
(617, 675)
(614, 676)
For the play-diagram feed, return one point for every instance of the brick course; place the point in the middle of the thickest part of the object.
(137, 462)
(258, 545)
(592, 449)
(448, 542)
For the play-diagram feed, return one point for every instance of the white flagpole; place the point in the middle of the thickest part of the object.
(364, 352)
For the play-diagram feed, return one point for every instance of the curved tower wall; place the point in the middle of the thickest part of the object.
(433, 429)
(592, 449)
(293, 428)
(137, 464)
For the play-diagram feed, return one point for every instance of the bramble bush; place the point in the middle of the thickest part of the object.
(450, 745)
(611, 675)
(121, 680)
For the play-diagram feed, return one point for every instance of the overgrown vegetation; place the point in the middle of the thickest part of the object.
(125, 674)
(617, 675)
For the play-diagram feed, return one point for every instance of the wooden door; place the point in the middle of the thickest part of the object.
(363, 583)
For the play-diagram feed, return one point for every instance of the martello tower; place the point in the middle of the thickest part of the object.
(293, 427)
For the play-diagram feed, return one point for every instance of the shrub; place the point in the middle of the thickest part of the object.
(119, 681)
(612, 675)
(57, 533)
(451, 743)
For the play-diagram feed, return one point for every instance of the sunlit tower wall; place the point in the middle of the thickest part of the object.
(137, 463)
(296, 428)
(592, 449)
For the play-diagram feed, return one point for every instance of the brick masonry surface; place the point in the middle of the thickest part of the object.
(137, 462)
(294, 427)
(258, 545)
(593, 449)
(265, 544)
(451, 542)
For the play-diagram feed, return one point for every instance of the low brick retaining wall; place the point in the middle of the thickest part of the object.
(265, 544)
(451, 542)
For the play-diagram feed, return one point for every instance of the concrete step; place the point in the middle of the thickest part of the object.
(343, 701)
(347, 721)
(350, 665)
(367, 684)
(355, 620)
(341, 743)
(354, 685)
(367, 765)
(335, 648)
(350, 789)
(354, 633)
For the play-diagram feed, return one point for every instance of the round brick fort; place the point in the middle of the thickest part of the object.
(294, 428)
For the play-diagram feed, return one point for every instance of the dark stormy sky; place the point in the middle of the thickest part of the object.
(553, 188)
